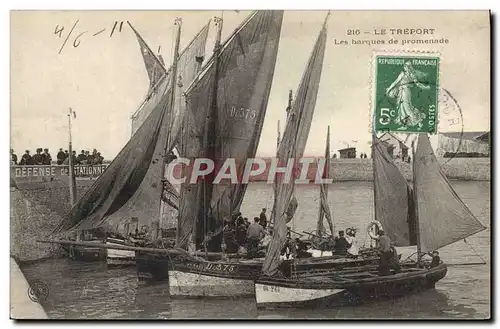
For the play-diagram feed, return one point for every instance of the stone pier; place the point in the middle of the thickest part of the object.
(21, 306)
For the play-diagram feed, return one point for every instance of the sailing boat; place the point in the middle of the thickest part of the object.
(188, 65)
(191, 276)
(226, 110)
(442, 219)
(132, 185)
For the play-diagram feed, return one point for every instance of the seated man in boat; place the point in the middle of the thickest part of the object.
(301, 249)
(255, 233)
(435, 259)
(341, 244)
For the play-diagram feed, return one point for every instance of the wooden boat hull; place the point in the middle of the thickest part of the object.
(276, 292)
(116, 257)
(86, 254)
(199, 285)
(151, 266)
(236, 278)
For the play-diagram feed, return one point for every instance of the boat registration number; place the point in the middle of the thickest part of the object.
(211, 267)
(271, 288)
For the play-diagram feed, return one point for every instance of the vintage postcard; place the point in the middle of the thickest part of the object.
(250, 165)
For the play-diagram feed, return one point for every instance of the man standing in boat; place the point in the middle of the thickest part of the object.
(255, 233)
(263, 218)
(388, 256)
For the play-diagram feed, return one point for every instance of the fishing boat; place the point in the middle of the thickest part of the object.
(442, 218)
(198, 276)
(133, 185)
(226, 109)
(189, 62)
(87, 253)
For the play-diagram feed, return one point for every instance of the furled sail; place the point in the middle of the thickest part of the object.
(131, 186)
(392, 196)
(324, 208)
(443, 217)
(240, 76)
(292, 145)
(188, 67)
(124, 176)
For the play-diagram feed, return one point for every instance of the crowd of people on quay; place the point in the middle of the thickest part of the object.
(43, 157)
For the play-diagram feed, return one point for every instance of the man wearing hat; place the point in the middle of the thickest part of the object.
(435, 259)
(61, 156)
(13, 157)
(26, 158)
(46, 158)
(341, 244)
(263, 218)
(388, 257)
(38, 158)
(82, 158)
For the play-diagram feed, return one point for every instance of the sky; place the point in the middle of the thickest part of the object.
(104, 80)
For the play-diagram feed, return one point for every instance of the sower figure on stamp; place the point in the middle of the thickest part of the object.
(408, 114)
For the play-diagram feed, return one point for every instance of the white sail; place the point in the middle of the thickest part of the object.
(443, 217)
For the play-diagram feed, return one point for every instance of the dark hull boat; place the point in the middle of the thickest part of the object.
(88, 254)
(151, 266)
(341, 289)
(197, 277)
(441, 217)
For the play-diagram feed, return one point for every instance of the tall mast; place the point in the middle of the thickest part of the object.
(71, 173)
(374, 141)
(279, 137)
(327, 170)
(209, 137)
(168, 121)
(415, 199)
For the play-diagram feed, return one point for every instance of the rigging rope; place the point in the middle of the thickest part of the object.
(477, 254)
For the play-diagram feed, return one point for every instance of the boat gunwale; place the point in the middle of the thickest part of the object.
(305, 282)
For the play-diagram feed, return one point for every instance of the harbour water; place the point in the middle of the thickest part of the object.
(92, 291)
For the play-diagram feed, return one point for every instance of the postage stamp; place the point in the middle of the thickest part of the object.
(406, 93)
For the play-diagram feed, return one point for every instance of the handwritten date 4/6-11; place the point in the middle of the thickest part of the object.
(76, 41)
